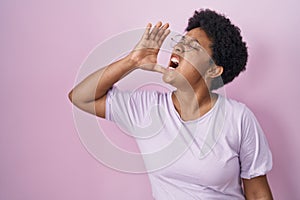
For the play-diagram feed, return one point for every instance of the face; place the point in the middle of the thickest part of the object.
(190, 60)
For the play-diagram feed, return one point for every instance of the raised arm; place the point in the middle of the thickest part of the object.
(90, 94)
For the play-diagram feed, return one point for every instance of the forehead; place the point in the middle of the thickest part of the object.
(202, 38)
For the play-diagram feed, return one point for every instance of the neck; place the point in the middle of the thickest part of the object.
(192, 104)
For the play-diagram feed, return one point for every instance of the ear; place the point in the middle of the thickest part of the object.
(214, 71)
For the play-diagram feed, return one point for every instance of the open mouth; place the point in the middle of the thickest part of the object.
(174, 62)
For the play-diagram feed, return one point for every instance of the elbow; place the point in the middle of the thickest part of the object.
(70, 95)
(74, 99)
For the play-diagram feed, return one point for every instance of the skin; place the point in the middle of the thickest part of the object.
(257, 188)
(192, 78)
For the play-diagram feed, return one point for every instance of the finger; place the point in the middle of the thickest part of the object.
(166, 26)
(147, 31)
(159, 68)
(163, 37)
(161, 31)
(155, 30)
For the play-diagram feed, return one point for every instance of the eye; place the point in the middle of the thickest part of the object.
(178, 39)
(181, 39)
(195, 45)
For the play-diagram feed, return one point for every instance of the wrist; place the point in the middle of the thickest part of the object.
(133, 60)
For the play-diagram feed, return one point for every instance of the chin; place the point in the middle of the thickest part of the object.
(166, 79)
(172, 82)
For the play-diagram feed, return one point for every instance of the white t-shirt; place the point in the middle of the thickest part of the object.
(198, 159)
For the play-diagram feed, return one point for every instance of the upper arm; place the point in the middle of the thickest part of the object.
(254, 153)
(255, 158)
(96, 107)
(257, 188)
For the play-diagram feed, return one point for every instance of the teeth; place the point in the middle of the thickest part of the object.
(175, 60)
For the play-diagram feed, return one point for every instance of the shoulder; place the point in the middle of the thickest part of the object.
(239, 112)
(137, 96)
(234, 106)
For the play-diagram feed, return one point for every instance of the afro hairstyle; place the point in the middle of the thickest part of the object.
(228, 48)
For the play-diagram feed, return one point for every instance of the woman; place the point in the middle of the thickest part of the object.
(223, 150)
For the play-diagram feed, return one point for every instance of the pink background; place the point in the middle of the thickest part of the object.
(42, 46)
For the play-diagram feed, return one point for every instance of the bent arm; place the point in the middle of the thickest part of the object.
(90, 94)
(257, 188)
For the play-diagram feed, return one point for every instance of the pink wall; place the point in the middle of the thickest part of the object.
(43, 44)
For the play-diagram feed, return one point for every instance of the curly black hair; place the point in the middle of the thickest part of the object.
(228, 48)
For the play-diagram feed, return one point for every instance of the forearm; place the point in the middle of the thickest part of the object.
(98, 83)
(90, 94)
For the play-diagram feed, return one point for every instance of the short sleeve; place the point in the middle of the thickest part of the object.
(115, 102)
(130, 110)
(255, 154)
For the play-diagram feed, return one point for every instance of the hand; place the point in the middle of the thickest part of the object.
(145, 52)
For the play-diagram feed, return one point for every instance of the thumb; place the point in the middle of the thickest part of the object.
(159, 68)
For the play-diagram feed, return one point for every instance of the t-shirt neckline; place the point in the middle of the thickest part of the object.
(206, 115)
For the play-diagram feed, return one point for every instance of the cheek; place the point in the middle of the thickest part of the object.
(198, 60)
(190, 74)
(192, 69)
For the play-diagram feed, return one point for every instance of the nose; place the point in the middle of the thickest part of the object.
(178, 48)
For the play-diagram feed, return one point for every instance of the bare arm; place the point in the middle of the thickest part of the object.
(90, 94)
(257, 188)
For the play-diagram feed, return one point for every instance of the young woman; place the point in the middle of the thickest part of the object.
(223, 151)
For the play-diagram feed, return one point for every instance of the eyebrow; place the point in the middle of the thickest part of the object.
(192, 39)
